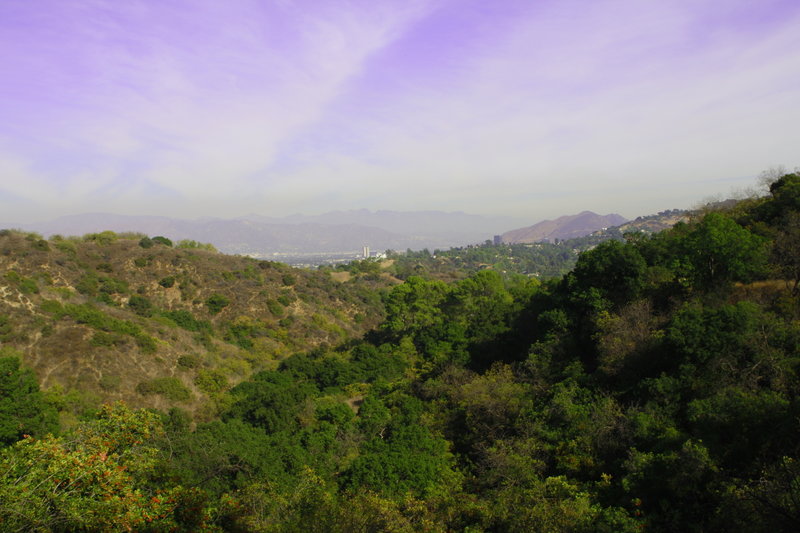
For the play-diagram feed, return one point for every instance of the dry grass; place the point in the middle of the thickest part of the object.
(108, 365)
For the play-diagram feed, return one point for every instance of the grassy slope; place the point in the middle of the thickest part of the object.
(49, 288)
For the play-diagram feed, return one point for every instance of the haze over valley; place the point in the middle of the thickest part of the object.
(335, 234)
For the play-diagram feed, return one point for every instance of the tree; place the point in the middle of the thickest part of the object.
(616, 269)
(95, 479)
(784, 198)
(23, 410)
(162, 240)
(415, 305)
(721, 251)
(786, 251)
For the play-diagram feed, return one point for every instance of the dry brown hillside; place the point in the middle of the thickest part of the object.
(111, 316)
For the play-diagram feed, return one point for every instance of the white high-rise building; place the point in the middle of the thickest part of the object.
(366, 252)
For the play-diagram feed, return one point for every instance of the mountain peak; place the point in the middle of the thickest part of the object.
(564, 227)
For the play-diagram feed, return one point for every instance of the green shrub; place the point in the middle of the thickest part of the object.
(64, 292)
(87, 285)
(53, 307)
(146, 343)
(67, 247)
(275, 308)
(211, 381)
(146, 242)
(6, 331)
(185, 319)
(242, 333)
(41, 245)
(110, 383)
(113, 286)
(188, 361)
(162, 240)
(103, 238)
(286, 299)
(25, 285)
(167, 282)
(101, 338)
(140, 305)
(194, 245)
(168, 387)
(93, 317)
(28, 286)
(216, 303)
(106, 298)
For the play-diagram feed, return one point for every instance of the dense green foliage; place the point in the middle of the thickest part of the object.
(654, 387)
(23, 410)
(543, 260)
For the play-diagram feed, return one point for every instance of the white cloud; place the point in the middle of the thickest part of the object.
(252, 106)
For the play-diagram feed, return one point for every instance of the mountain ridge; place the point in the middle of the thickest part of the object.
(564, 227)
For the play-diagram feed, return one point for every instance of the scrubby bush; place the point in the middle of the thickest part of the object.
(142, 262)
(194, 245)
(41, 245)
(103, 238)
(211, 381)
(168, 387)
(101, 338)
(146, 343)
(188, 361)
(140, 305)
(275, 308)
(186, 320)
(216, 303)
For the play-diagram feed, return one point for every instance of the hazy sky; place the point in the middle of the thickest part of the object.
(534, 108)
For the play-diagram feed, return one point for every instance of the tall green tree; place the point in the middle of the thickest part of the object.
(721, 251)
(23, 410)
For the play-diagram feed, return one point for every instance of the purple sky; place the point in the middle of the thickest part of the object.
(534, 108)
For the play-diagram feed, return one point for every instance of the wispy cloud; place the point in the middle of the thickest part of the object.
(220, 108)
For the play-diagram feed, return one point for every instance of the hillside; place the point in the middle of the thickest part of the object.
(655, 223)
(542, 260)
(565, 227)
(653, 387)
(136, 319)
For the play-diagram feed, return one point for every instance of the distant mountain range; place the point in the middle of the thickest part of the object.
(566, 227)
(349, 231)
(331, 232)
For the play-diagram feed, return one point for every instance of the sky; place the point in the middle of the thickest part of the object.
(529, 108)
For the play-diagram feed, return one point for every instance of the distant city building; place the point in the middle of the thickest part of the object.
(498, 240)
(366, 252)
